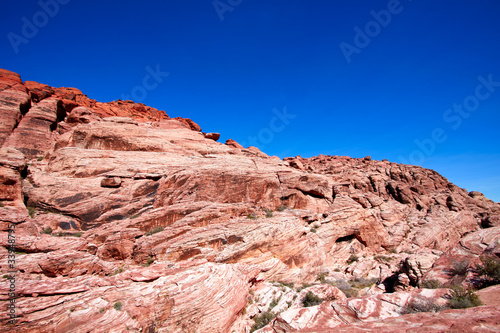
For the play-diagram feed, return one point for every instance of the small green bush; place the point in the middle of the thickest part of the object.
(47, 231)
(262, 320)
(322, 277)
(252, 216)
(269, 213)
(282, 208)
(361, 283)
(149, 261)
(154, 230)
(431, 284)
(286, 284)
(101, 310)
(463, 298)
(31, 211)
(39, 159)
(421, 305)
(274, 302)
(118, 271)
(118, 306)
(383, 259)
(352, 258)
(349, 293)
(311, 300)
(489, 271)
(459, 268)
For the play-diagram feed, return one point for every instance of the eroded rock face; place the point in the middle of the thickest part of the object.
(14, 102)
(144, 222)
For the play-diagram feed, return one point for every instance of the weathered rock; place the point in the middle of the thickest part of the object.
(81, 115)
(12, 164)
(131, 206)
(233, 144)
(484, 319)
(329, 315)
(14, 102)
(212, 136)
(112, 182)
(491, 221)
(490, 296)
(34, 134)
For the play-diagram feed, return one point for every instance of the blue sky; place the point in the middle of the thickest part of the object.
(275, 73)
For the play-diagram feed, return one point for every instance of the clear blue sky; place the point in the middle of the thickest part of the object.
(229, 75)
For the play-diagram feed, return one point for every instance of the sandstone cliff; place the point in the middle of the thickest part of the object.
(128, 220)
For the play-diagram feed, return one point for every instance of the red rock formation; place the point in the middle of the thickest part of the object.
(14, 102)
(143, 222)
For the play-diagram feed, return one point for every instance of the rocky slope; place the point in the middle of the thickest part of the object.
(128, 220)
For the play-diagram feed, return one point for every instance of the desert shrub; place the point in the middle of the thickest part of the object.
(459, 267)
(463, 298)
(352, 258)
(47, 231)
(262, 320)
(118, 306)
(311, 300)
(489, 271)
(77, 234)
(383, 258)
(421, 305)
(269, 213)
(252, 216)
(322, 277)
(154, 230)
(118, 271)
(361, 283)
(431, 284)
(341, 284)
(101, 310)
(274, 302)
(31, 211)
(349, 293)
(286, 284)
(149, 261)
(281, 208)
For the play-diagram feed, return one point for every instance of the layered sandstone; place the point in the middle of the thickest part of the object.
(127, 219)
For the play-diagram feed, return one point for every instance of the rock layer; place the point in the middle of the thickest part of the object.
(126, 219)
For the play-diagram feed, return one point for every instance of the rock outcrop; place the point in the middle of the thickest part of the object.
(127, 219)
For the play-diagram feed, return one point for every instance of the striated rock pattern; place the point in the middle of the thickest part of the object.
(128, 220)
